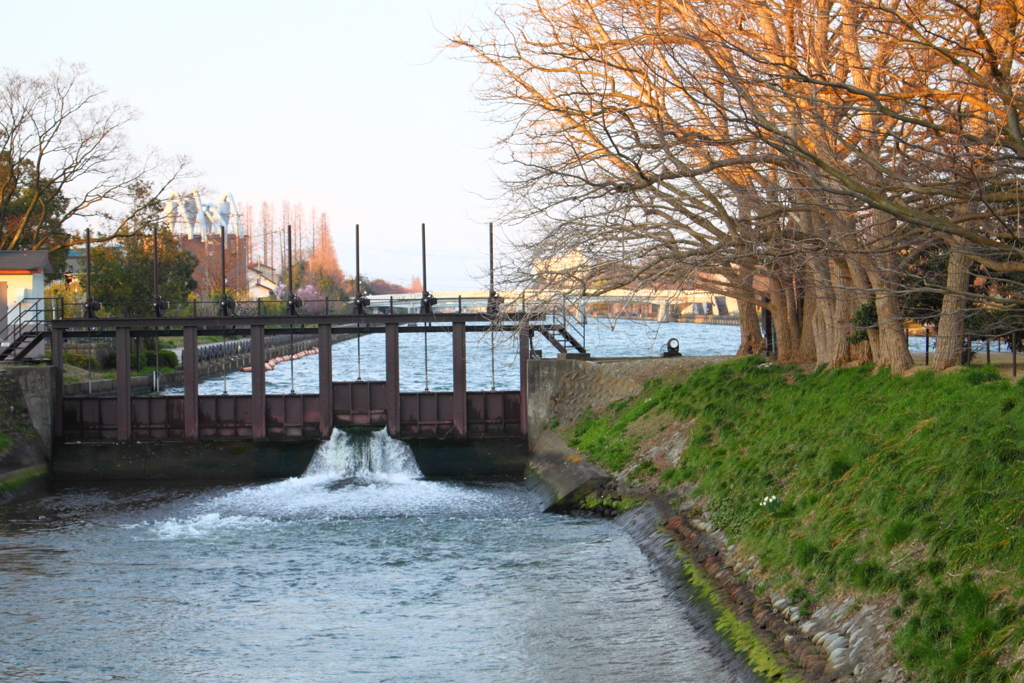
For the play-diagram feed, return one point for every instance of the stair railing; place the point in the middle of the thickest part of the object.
(33, 314)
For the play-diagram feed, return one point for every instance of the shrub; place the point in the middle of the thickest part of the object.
(168, 360)
(81, 360)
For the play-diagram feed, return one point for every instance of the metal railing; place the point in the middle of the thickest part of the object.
(564, 319)
(29, 316)
(265, 308)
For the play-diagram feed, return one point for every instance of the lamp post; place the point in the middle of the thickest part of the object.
(227, 304)
(427, 300)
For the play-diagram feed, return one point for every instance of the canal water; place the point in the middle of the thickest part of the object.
(360, 570)
(357, 571)
(490, 360)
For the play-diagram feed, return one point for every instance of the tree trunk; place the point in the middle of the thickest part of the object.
(787, 328)
(751, 340)
(808, 353)
(891, 347)
(854, 281)
(829, 325)
(950, 338)
(892, 336)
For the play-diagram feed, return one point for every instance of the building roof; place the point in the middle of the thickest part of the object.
(26, 262)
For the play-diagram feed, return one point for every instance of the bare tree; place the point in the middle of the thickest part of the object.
(64, 154)
(795, 155)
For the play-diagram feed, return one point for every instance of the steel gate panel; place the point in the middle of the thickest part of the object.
(293, 416)
(427, 415)
(90, 418)
(360, 404)
(158, 417)
(493, 413)
(225, 417)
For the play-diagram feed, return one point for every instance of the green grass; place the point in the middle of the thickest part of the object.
(883, 484)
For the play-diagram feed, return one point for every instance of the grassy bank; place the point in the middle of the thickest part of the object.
(857, 482)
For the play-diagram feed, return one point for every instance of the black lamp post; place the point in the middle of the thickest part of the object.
(91, 305)
(427, 301)
(227, 304)
(294, 302)
(159, 303)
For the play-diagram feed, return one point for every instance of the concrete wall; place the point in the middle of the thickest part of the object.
(561, 391)
(480, 459)
(557, 475)
(26, 417)
(205, 460)
(489, 458)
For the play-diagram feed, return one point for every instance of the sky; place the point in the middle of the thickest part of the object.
(353, 107)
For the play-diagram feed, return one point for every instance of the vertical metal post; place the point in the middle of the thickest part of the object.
(156, 280)
(291, 286)
(492, 306)
(423, 242)
(524, 357)
(359, 293)
(257, 357)
(88, 282)
(359, 353)
(57, 356)
(988, 352)
(190, 370)
(224, 361)
(326, 381)
(459, 410)
(156, 361)
(223, 268)
(122, 350)
(391, 385)
(426, 300)
(926, 340)
(1013, 351)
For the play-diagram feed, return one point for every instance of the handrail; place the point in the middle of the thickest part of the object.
(32, 312)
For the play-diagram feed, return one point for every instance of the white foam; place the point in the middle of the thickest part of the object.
(204, 525)
(353, 475)
(372, 455)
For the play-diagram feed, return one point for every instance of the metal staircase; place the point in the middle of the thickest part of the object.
(27, 329)
(565, 326)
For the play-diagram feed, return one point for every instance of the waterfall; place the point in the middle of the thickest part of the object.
(364, 455)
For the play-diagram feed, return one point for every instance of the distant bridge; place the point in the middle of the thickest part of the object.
(662, 303)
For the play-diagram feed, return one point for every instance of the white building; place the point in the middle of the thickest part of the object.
(22, 288)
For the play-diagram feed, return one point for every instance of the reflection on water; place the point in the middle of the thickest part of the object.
(357, 571)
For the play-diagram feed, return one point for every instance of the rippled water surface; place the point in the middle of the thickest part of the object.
(357, 571)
